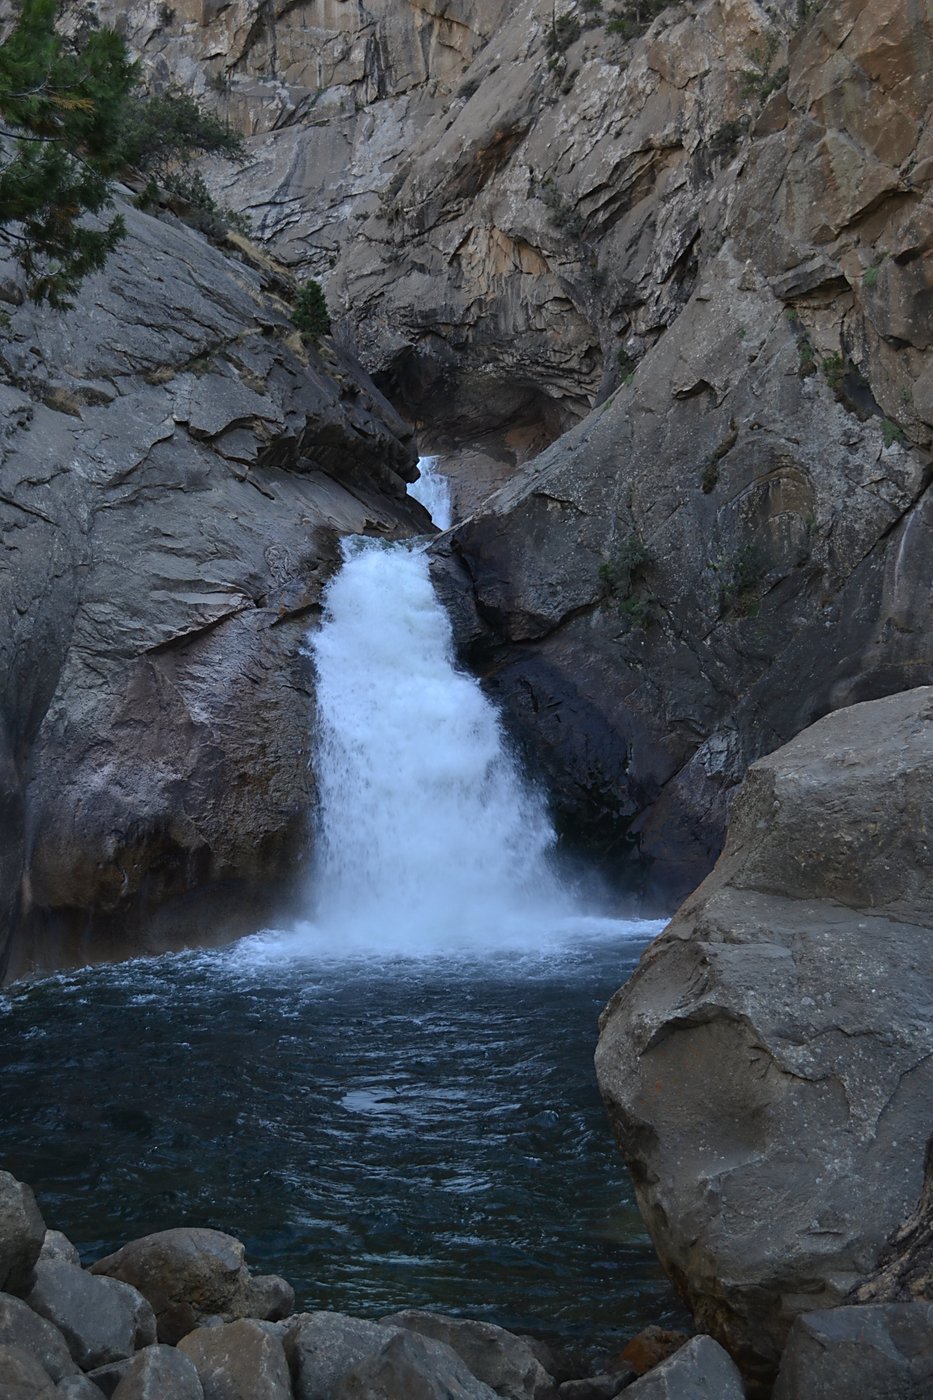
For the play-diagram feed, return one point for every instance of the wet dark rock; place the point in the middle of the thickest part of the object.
(22, 1327)
(502, 1360)
(239, 1361)
(22, 1231)
(768, 1069)
(876, 1352)
(192, 1274)
(101, 1319)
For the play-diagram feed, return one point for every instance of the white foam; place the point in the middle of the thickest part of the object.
(432, 489)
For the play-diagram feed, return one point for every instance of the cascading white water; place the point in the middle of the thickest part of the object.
(428, 836)
(432, 489)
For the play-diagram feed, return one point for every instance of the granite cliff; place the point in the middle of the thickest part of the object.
(177, 468)
(688, 258)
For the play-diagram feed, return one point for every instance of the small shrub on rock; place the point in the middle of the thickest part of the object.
(621, 581)
(310, 315)
(563, 31)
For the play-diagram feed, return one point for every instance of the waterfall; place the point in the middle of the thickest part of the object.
(432, 489)
(428, 837)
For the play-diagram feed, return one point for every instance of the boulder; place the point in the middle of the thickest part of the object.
(22, 1231)
(59, 1246)
(701, 1370)
(881, 1351)
(21, 1376)
(78, 1388)
(160, 1373)
(322, 1346)
(191, 1274)
(503, 1361)
(239, 1361)
(101, 1319)
(768, 1068)
(22, 1327)
(411, 1367)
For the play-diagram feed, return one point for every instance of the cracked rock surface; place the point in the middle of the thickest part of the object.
(768, 1070)
(704, 252)
(176, 469)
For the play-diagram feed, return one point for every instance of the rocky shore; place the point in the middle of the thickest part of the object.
(178, 1316)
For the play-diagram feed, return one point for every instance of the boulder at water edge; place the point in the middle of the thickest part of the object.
(414, 1367)
(189, 1275)
(879, 1352)
(768, 1068)
(322, 1346)
(701, 1370)
(503, 1361)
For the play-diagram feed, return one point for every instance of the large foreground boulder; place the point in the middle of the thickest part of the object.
(768, 1068)
(191, 1274)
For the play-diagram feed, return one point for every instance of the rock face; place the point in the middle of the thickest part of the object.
(177, 469)
(768, 1069)
(739, 539)
(21, 1376)
(709, 241)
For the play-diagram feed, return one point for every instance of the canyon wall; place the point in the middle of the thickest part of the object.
(673, 288)
(177, 468)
